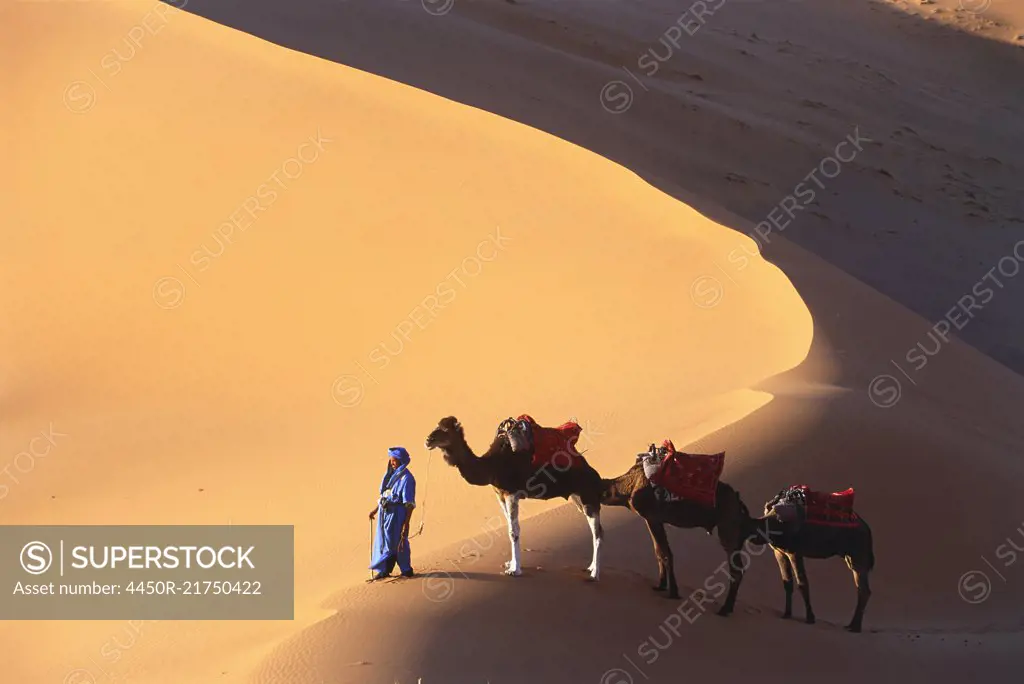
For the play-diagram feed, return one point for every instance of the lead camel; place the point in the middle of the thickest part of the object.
(513, 477)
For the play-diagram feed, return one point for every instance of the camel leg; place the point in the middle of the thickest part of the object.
(805, 588)
(510, 506)
(786, 570)
(662, 576)
(593, 513)
(731, 538)
(666, 563)
(860, 578)
(736, 569)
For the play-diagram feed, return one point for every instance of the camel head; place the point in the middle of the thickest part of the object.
(445, 436)
(760, 531)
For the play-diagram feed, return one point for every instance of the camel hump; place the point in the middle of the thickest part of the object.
(691, 476)
(825, 508)
(815, 499)
(555, 445)
(570, 429)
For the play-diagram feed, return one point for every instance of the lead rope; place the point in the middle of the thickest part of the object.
(426, 490)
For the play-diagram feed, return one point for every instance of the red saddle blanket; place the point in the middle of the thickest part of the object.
(835, 509)
(690, 476)
(555, 446)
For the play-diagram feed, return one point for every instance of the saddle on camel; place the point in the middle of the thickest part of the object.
(800, 505)
(554, 446)
(693, 477)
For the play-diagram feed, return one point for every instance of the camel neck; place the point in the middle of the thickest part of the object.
(471, 467)
(630, 481)
(757, 531)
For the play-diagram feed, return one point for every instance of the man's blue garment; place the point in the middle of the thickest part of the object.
(397, 488)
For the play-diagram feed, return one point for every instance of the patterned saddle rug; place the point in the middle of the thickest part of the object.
(554, 446)
(693, 477)
(821, 508)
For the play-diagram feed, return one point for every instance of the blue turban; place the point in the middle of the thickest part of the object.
(399, 479)
(400, 453)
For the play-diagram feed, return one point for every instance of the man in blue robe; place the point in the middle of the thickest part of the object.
(393, 512)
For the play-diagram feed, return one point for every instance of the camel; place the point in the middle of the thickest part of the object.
(632, 490)
(794, 541)
(513, 478)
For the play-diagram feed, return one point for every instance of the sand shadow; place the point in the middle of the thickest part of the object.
(550, 626)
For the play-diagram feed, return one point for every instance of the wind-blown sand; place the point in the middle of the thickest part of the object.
(424, 258)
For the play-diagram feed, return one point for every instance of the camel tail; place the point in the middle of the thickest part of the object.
(742, 507)
(579, 503)
(744, 511)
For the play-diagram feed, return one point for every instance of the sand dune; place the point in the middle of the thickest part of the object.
(236, 273)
